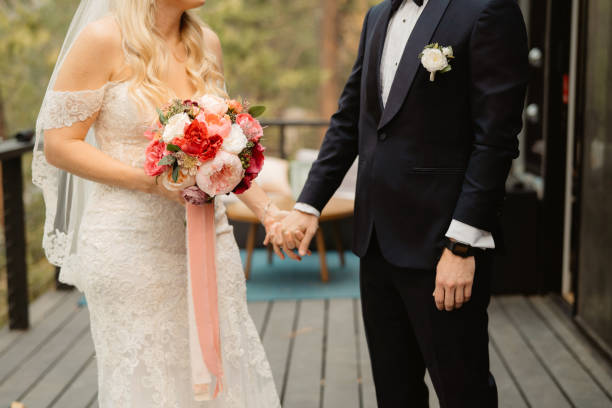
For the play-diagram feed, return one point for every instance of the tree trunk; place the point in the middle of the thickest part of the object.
(329, 92)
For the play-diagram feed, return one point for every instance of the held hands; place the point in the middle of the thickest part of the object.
(295, 231)
(454, 280)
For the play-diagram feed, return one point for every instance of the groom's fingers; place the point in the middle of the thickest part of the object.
(467, 292)
(305, 244)
(449, 299)
(459, 297)
(439, 297)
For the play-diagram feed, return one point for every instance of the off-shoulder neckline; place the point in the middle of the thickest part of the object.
(103, 87)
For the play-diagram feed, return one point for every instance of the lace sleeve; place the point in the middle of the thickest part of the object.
(64, 108)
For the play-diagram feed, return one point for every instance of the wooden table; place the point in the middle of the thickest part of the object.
(337, 209)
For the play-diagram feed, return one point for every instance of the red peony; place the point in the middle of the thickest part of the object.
(255, 165)
(250, 126)
(197, 142)
(155, 151)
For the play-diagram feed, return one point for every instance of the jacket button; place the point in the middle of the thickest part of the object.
(382, 136)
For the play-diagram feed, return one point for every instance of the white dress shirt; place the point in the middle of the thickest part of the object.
(400, 28)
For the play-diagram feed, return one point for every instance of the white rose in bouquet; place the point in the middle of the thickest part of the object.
(175, 127)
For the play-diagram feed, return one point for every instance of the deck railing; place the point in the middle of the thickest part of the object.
(11, 152)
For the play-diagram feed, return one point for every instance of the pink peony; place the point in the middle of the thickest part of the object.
(155, 151)
(217, 125)
(250, 126)
(193, 195)
(255, 165)
(213, 104)
(220, 175)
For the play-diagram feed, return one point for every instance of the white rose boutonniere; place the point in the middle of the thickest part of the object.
(435, 58)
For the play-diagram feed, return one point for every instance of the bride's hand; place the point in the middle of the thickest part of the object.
(157, 188)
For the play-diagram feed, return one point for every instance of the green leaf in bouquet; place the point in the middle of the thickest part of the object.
(256, 111)
(162, 118)
(173, 148)
(167, 160)
(175, 172)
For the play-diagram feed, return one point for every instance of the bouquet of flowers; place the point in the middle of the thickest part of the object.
(206, 147)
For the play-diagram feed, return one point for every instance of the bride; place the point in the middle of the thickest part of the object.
(120, 237)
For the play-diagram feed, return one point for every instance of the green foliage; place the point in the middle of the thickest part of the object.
(256, 111)
(31, 34)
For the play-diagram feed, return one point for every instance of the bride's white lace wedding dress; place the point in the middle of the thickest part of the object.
(132, 268)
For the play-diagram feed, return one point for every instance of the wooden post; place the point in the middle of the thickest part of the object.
(14, 229)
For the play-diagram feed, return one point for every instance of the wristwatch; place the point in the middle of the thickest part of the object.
(460, 249)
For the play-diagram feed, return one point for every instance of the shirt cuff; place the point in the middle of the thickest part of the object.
(466, 234)
(307, 209)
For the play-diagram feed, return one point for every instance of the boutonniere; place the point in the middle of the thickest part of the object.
(435, 58)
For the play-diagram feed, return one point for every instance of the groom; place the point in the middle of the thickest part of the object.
(435, 146)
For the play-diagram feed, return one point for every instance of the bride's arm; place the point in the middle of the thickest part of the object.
(89, 66)
(255, 197)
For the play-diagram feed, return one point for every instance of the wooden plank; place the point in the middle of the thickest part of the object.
(258, 311)
(539, 389)
(577, 344)
(38, 309)
(303, 387)
(33, 339)
(507, 390)
(30, 371)
(368, 392)
(82, 391)
(62, 375)
(565, 369)
(277, 338)
(341, 387)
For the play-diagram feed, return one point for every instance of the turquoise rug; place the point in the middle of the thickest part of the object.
(289, 280)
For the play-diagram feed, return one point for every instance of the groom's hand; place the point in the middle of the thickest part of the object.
(454, 279)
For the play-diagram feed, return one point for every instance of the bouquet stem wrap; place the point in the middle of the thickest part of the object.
(205, 345)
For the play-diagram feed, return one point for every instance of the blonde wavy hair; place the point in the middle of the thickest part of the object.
(147, 58)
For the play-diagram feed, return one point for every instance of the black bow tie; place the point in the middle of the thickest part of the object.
(395, 4)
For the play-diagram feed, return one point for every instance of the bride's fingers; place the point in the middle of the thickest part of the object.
(278, 251)
(292, 254)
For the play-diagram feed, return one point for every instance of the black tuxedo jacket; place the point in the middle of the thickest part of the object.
(439, 150)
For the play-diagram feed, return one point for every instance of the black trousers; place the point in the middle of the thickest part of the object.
(406, 334)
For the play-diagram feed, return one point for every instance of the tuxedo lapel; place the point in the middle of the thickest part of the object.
(373, 69)
(409, 64)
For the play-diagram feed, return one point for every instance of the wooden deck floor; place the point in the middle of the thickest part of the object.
(318, 355)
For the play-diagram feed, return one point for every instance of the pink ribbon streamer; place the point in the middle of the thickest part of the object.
(203, 274)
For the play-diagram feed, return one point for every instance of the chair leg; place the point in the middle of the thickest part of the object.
(322, 256)
(250, 247)
(338, 238)
(270, 254)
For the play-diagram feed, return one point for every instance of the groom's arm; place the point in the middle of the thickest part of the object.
(340, 145)
(499, 75)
